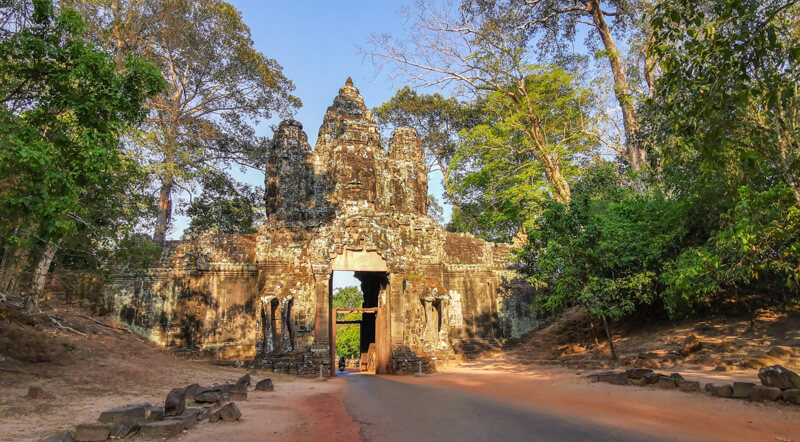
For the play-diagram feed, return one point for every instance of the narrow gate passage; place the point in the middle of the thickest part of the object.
(395, 411)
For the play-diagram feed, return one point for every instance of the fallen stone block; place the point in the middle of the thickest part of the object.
(265, 385)
(244, 380)
(175, 404)
(684, 385)
(156, 414)
(61, 436)
(208, 395)
(189, 417)
(676, 376)
(638, 373)
(792, 395)
(123, 429)
(719, 390)
(162, 429)
(227, 388)
(639, 382)
(92, 432)
(191, 390)
(665, 383)
(779, 377)
(760, 393)
(132, 413)
(741, 390)
(38, 393)
(228, 413)
(614, 378)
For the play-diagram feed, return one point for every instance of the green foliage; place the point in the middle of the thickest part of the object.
(348, 336)
(224, 205)
(605, 250)
(505, 170)
(64, 109)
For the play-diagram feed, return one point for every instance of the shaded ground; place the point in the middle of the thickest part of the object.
(719, 343)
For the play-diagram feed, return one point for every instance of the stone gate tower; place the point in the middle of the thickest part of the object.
(348, 204)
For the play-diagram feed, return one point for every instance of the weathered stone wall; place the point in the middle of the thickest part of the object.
(347, 205)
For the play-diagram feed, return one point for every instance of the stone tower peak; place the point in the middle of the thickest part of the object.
(349, 82)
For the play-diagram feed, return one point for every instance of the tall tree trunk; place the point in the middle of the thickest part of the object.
(637, 155)
(40, 275)
(15, 261)
(610, 339)
(116, 31)
(164, 215)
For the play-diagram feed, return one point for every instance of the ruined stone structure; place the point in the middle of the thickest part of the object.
(347, 205)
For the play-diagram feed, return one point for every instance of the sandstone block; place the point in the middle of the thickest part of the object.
(175, 404)
(244, 380)
(265, 385)
(162, 429)
(156, 414)
(639, 382)
(792, 395)
(742, 390)
(652, 378)
(62, 436)
(228, 413)
(92, 432)
(719, 390)
(779, 377)
(665, 383)
(676, 376)
(684, 385)
(191, 390)
(38, 393)
(208, 395)
(614, 378)
(123, 429)
(189, 417)
(638, 373)
(760, 393)
(131, 413)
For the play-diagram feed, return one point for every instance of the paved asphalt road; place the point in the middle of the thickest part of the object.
(395, 411)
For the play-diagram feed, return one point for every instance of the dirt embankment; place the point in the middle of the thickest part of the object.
(711, 344)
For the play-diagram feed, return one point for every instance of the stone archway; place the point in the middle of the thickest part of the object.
(372, 271)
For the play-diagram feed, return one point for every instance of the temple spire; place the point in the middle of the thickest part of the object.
(349, 82)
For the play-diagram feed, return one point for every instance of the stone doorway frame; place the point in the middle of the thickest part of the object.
(360, 261)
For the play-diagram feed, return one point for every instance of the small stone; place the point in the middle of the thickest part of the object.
(62, 436)
(131, 413)
(228, 413)
(684, 385)
(779, 377)
(665, 383)
(792, 395)
(92, 432)
(244, 380)
(162, 429)
(175, 404)
(265, 385)
(761, 393)
(691, 344)
(741, 390)
(719, 390)
(39, 393)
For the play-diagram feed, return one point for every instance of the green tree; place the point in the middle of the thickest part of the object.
(437, 120)
(64, 110)
(503, 172)
(224, 205)
(348, 336)
(219, 85)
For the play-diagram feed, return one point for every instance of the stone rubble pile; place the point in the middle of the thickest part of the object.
(146, 421)
(777, 384)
